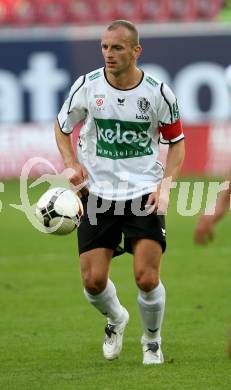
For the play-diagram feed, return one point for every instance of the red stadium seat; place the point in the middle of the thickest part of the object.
(105, 11)
(80, 11)
(52, 12)
(155, 10)
(183, 10)
(23, 12)
(129, 9)
(5, 12)
(208, 9)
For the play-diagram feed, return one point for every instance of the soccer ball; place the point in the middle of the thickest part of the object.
(59, 210)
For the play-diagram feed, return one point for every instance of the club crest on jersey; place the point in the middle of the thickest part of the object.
(143, 106)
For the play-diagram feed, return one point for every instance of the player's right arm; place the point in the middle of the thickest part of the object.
(64, 142)
(72, 112)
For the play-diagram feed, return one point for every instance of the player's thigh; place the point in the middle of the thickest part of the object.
(103, 232)
(147, 260)
(94, 267)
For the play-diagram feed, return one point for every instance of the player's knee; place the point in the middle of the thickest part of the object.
(94, 284)
(94, 279)
(147, 281)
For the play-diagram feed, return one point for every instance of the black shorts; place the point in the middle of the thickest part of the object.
(106, 229)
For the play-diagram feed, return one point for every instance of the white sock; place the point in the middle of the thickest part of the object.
(107, 303)
(151, 305)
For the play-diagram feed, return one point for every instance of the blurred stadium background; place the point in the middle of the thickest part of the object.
(44, 46)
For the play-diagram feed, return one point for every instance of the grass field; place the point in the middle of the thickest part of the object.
(50, 337)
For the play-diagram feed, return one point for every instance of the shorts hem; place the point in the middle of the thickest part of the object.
(95, 246)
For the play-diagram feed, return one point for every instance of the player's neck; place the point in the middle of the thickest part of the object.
(126, 80)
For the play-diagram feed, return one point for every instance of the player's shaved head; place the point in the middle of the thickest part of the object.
(129, 26)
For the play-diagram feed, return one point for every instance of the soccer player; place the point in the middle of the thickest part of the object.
(204, 230)
(124, 112)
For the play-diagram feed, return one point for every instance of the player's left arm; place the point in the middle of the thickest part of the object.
(171, 133)
(175, 159)
(159, 199)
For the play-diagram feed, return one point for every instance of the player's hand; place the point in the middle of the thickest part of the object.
(158, 201)
(79, 178)
(204, 229)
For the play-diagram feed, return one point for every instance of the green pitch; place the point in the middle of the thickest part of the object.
(50, 337)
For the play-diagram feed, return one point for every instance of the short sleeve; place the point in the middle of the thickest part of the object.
(73, 109)
(170, 126)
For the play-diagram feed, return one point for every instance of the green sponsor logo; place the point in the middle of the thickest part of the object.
(175, 110)
(94, 76)
(121, 139)
(151, 81)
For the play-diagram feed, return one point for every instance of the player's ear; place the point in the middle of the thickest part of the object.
(137, 51)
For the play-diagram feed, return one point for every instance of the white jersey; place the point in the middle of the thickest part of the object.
(119, 139)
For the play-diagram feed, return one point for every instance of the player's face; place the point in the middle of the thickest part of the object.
(118, 50)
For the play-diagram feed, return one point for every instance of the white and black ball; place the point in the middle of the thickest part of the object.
(59, 210)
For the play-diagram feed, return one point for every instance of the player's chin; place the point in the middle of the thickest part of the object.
(112, 69)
